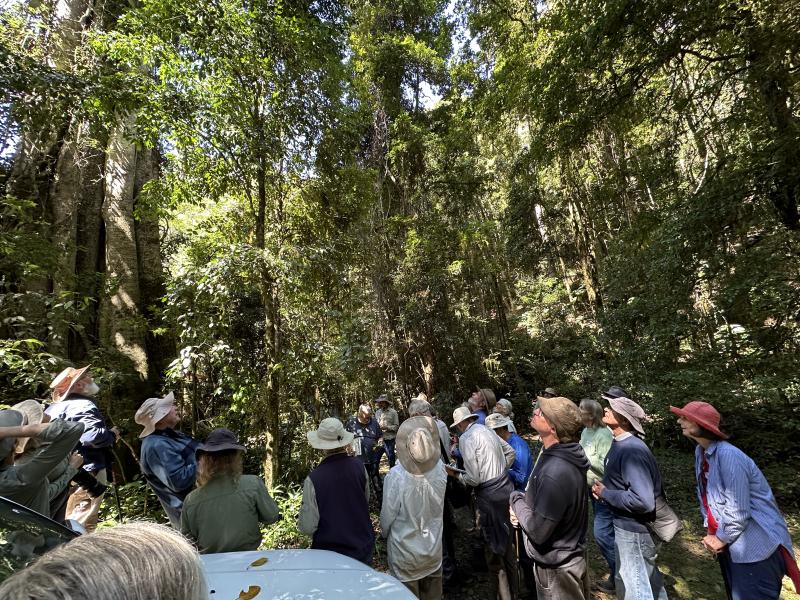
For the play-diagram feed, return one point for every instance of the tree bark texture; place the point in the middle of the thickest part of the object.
(122, 324)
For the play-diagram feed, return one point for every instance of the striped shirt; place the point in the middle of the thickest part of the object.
(741, 501)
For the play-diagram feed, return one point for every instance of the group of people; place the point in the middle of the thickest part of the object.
(532, 512)
(530, 509)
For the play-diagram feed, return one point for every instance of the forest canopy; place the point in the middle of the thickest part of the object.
(280, 209)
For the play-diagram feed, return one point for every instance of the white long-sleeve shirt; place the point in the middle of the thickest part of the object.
(412, 522)
(486, 456)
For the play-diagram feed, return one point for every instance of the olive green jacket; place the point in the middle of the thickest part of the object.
(224, 516)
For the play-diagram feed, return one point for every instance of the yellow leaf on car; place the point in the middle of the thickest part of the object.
(259, 561)
(251, 593)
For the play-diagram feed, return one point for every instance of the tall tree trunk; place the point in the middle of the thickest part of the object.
(151, 270)
(122, 324)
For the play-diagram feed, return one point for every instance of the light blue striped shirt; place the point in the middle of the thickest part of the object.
(742, 503)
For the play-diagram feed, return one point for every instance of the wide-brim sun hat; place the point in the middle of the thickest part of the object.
(630, 410)
(33, 413)
(9, 418)
(152, 411)
(703, 414)
(497, 420)
(418, 445)
(462, 413)
(63, 383)
(329, 435)
(488, 397)
(220, 440)
(383, 398)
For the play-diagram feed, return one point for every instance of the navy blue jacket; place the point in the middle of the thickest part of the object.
(344, 523)
(97, 439)
(632, 481)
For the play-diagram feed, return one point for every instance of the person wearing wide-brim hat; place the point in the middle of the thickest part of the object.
(59, 477)
(167, 456)
(487, 459)
(335, 506)
(388, 421)
(522, 466)
(26, 483)
(630, 485)
(752, 542)
(506, 408)
(224, 512)
(413, 508)
(74, 394)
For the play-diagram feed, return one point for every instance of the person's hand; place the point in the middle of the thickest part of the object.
(451, 471)
(713, 544)
(597, 489)
(117, 433)
(513, 517)
(75, 460)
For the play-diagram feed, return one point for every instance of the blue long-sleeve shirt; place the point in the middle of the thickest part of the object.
(748, 518)
(632, 481)
(97, 438)
(169, 465)
(523, 464)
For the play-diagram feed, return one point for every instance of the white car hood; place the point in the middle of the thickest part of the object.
(297, 575)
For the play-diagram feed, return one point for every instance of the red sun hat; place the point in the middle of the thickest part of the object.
(703, 414)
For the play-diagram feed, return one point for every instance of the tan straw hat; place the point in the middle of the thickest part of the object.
(64, 382)
(33, 413)
(152, 411)
(462, 413)
(329, 435)
(417, 445)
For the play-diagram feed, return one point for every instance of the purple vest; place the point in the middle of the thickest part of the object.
(344, 523)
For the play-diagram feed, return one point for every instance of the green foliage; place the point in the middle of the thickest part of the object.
(137, 501)
(284, 533)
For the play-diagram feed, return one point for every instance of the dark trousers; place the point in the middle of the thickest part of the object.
(388, 448)
(753, 581)
(502, 572)
(448, 543)
(525, 563)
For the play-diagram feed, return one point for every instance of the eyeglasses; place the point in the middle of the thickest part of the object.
(537, 412)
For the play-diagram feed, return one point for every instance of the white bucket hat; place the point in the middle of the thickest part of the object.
(152, 411)
(462, 413)
(418, 445)
(496, 421)
(329, 435)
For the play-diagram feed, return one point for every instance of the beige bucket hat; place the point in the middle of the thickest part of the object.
(152, 411)
(496, 421)
(329, 435)
(32, 413)
(9, 418)
(417, 445)
(462, 413)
